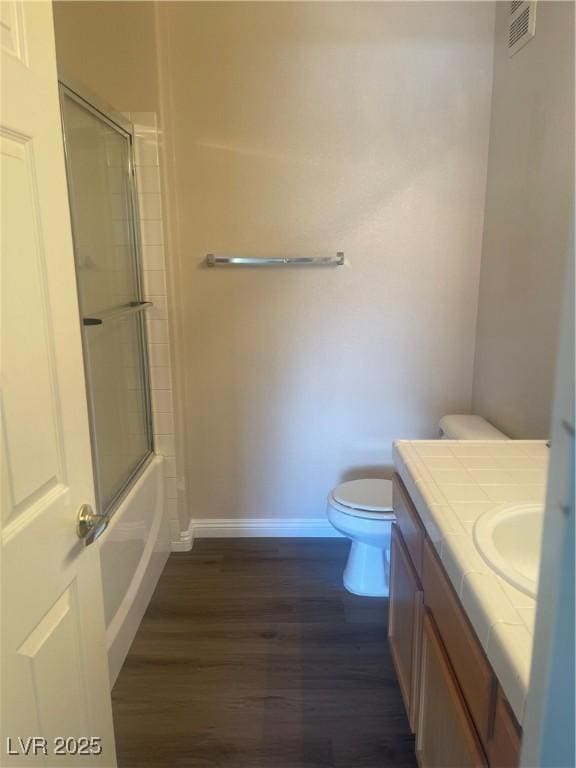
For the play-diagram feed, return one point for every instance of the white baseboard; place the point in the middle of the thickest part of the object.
(262, 527)
(185, 541)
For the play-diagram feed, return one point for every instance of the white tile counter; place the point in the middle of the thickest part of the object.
(451, 483)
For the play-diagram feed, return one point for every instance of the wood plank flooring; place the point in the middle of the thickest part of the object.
(252, 655)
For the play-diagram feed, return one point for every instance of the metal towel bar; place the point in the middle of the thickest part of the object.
(212, 260)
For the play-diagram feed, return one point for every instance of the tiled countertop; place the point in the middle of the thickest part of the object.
(452, 482)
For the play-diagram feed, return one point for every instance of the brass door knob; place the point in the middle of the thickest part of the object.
(90, 524)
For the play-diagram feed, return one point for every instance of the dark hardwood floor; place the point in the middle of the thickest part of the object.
(252, 655)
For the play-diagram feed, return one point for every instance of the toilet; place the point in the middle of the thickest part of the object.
(362, 510)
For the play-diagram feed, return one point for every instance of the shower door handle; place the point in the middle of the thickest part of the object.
(126, 309)
(90, 524)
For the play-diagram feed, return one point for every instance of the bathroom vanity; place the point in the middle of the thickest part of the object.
(460, 634)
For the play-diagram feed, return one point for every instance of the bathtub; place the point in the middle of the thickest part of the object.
(133, 551)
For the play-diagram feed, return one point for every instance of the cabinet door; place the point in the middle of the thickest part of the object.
(446, 736)
(504, 746)
(467, 657)
(404, 623)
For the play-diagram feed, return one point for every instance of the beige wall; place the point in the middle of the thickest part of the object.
(529, 198)
(110, 47)
(306, 128)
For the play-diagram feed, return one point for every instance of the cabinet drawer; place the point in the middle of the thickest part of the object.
(466, 655)
(409, 524)
(504, 746)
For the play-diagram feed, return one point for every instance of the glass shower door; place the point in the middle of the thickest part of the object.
(100, 181)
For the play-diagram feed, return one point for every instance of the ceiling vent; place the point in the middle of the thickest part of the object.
(522, 24)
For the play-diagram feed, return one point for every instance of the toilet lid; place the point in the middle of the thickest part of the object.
(369, 495)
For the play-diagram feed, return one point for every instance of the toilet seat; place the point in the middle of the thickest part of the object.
(367, 498)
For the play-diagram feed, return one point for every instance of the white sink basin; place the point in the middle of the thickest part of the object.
(509, 541)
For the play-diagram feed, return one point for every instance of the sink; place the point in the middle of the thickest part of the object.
(509, 539)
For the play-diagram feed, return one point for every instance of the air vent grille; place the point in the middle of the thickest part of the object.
(522, 25)
(519, 27)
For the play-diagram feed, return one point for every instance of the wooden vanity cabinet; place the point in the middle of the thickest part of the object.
(404, 623)
(453, 700)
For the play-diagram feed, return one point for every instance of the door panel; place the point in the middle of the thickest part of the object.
(119, 400)
(12, 30)
(56, 633)
(98, 158)
(34, 461)
(53, 649)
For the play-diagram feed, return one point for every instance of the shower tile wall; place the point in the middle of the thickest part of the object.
(152, 236)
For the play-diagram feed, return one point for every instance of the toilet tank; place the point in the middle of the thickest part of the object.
(467, 427)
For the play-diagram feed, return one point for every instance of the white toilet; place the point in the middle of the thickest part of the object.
(362, 511)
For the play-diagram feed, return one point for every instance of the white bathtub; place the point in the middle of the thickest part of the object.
(133, 552)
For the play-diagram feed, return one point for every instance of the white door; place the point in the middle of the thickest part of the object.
(550, 708)
(54, 672)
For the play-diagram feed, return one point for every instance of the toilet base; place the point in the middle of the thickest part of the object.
(367, 570)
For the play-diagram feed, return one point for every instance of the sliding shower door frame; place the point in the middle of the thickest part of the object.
(118, 122)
